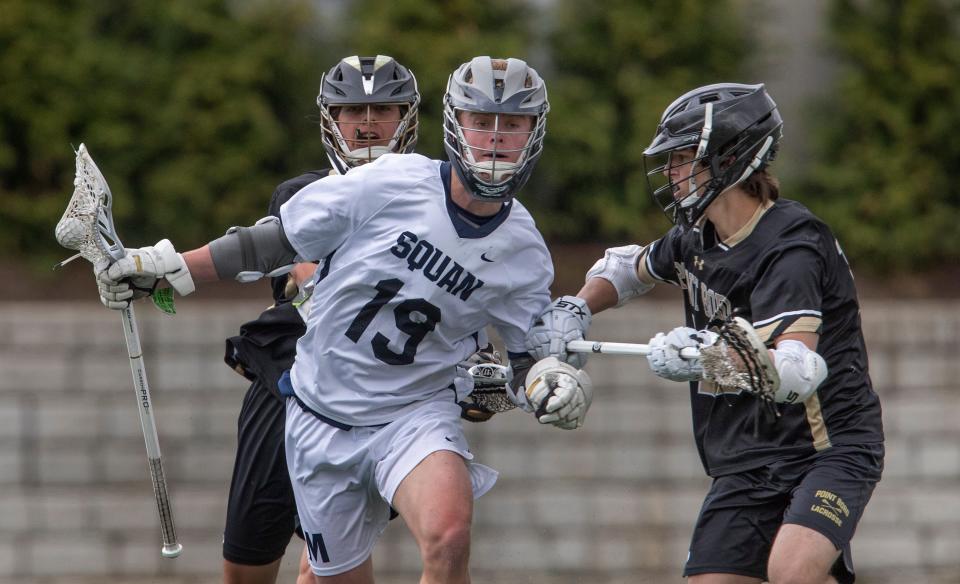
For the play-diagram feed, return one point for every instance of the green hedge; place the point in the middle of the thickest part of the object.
(192, 112)
(196, 109)
(887, 171)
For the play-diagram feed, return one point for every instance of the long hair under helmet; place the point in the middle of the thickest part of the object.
(494, 86)
(735, 130)
(367, 81)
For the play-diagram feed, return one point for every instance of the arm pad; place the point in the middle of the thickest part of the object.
(249, 253)
(801, 371)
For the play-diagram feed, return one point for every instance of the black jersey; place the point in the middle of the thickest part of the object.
(784, 272)
(266, 346)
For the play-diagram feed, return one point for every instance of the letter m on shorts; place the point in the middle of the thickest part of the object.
(315, 545)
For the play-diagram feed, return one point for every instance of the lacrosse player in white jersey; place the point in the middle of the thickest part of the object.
(368, 107)
(419, 255)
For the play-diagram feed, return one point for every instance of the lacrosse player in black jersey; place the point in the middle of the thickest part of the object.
(788, 489)
(368, 107)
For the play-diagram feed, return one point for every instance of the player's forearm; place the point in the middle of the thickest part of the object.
(599, 294)
(200, 263)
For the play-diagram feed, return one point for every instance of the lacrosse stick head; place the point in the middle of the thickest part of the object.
(490, 387)
(87, 223)
(740, 361)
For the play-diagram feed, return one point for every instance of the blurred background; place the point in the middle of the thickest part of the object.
(196, 109)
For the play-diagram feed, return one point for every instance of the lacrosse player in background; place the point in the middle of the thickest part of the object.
(787, 491)
(418, 255)
(368, 107)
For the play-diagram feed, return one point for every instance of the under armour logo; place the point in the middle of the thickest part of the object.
(697, 262)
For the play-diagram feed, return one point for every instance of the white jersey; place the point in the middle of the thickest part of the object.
(406, 286)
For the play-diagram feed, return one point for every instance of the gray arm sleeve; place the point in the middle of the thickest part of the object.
(250, 253)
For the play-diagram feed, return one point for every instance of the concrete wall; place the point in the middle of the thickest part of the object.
(613, 502)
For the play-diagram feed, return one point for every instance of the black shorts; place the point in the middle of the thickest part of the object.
(261, 511)
(826, 492)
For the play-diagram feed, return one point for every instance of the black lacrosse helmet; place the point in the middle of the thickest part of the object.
(367, 81)
(736, 131)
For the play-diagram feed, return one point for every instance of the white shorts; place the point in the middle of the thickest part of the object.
(344, 480)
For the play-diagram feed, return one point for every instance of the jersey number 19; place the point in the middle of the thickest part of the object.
(416, 317)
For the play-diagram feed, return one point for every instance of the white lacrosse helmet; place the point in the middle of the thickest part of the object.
(494, 86)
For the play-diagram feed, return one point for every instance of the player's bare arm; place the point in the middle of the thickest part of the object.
(199, 262)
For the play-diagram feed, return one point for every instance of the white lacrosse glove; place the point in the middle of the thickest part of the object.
(136, 274)
(559, 393)
(619, 267)
(665, 359)
(567, 319)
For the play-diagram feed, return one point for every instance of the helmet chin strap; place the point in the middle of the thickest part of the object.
(498, 171)
(368, 153)
(753, 166)
(756, 162)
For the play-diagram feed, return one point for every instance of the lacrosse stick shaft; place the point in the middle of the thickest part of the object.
(131, 333)
(609, 348)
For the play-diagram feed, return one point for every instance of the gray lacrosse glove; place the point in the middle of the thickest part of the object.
(567, 319)
(665, 359)
(136, 274)
(559, 393)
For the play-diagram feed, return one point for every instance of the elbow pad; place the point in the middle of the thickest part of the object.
(250, 253)
(801, 371)
(619, 267)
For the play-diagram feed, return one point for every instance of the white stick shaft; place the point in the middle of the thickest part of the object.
(131, 333)
(609, 348)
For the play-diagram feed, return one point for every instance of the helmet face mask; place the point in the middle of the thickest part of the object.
(368, 107)
(677, 180)
(361, 133)
(494, 121)
(495, 146)
(732, 130)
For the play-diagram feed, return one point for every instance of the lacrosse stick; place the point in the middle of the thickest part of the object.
(610, 348)
(87, 226)
(737, 361)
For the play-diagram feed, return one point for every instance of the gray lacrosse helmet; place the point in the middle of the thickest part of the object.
(367, 81)
(736, 130)
(501, 86)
